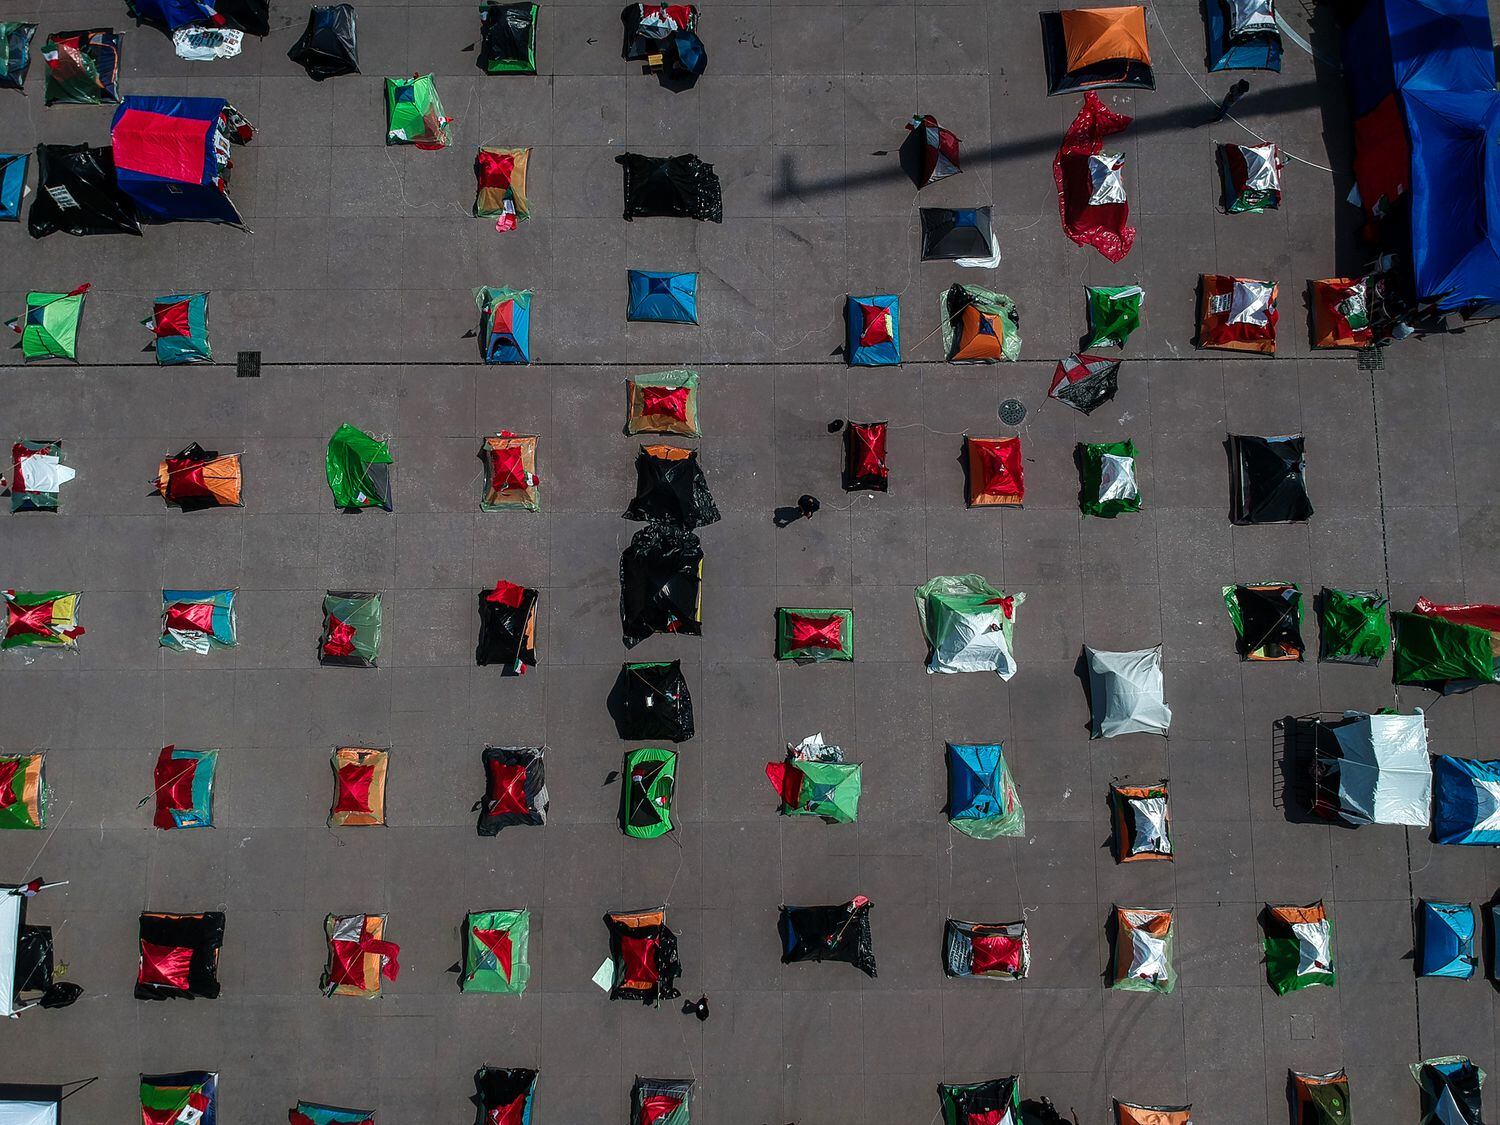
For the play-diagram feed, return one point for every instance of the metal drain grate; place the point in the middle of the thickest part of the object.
(248, 365)
(1012, 412)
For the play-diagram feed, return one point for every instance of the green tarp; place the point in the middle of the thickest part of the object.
(1299, 948)
(1109, 482)
(351, 629)
(496, 946)
(1352, 627)
(650, 778)
(969, 625)
(814, 634)
(413, 113)
(826, 789)
(1431, 651)
(1114, 313)
(352, 453)
(50, 327)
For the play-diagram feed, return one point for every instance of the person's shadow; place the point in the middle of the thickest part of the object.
(786, 515)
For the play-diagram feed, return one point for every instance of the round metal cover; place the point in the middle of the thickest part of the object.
(1012, 412)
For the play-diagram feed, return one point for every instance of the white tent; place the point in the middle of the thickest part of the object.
(1376, 768)
(30, 1104)
(1125, 691)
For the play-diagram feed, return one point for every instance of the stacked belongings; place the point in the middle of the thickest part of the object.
(665, 298)
(1090, 189)
(83, 67)
(1270, 479)
(664, 403)
(649, 781)
(1114, 312)
(496, 958)
(670, 186)
(829, 933)
(1451, 1088)
(37, 474)
(179, 956)
(505, 1094)
(969, 625)
(515, 788)
(358, 955)
(507, 628)
(191, 1096)
(1299, 947)
(865, 466)
(179, 323)
(172, 157)
(184, 788)
(644, 952)
(1251, 177)
(979, 326)
(1109, 484)
(874, 331)
(983, 801)
(1097, 49)
(1352, 626)
(1129, 1113)
(507, 38)
(351, 629)
(77, 192)
(661, 1101)
(49, 327)
(329, 47)
(511, 481)
(1142, 820)
(504, 324)
(665, 38)
(246, 16)
(1465, 801)
(933, 150)
(48, 619)
(15, 54)
(996, 475)
(964, 236)
(1448, 648)
(26, 959)
(23, 791)
(359, 777)
(671, 488)
(358, 472)
(661, 583)
(1085, 382)
(1372, 769)
(500, 175)
(198, 620)
(1341, 312)
(977, 1103)
(816, 781)
(997, 950)
(1445, 939)
(811, 636)
(1267, 620)
(1242, 35)
(1125, 693)
(654, 702)
(13, 168)
(200, 478)
(1143, 951)
(414, 115)
(1237, 314)
(1320, 1099)
(313, 1113)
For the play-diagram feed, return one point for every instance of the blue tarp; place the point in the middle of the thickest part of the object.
(12, 185)
(167, 158)
(1416, 45)
(1445, 939)
(173, 14)
(874, 330)
(1465, 801)
(668, 298)
(974, 783)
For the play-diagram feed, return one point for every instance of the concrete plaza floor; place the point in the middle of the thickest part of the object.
(355, 287)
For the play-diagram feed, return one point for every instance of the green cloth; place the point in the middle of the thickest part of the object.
(829, 789)
(1284, 961)
(1092, 462)
(649, 780)
(1114, 313)
(1430, 650)
(496, 947)
(1352, 627)
(787, 648)
(413, 113)
(361, 612)
(50, 330)
(351, 452)
(987, 302)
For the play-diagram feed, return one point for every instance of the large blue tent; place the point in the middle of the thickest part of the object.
(1416, 45)
(172, 157)
(668, 298)
(1465, 801)
(874, 330)
(12, 184)
(1445, 939)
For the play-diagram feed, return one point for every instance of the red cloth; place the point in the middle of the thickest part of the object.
(388, 951)
(996, 951)
(507, 469)
(508, 789)
(352, 785)
(171, 319)
(876, 325)
(185, 478)
(8, 771)
(340, 640)
(868, 451)
(984, 1117)
(503, 316)
(817, 632)
(174, 787)
(165, 964)
(670, 401)
(678, 15)
(787, 779)
(657, 1106)
(494, 169)
(160, 144)
(190, 617)
(347, 963)
(507, 593)
(1002, 470)
(512, 1113)
(1382, 161)
(639, 957)
(1479, 616)
(497, 942)
(28, 620)
(1104, 226)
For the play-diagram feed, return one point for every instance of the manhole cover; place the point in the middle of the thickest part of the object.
(1012, 411)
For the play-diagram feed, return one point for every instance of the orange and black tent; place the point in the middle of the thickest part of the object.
(1096, 49)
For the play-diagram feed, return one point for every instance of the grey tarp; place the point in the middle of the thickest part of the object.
(1385, 776)
(1125, 690)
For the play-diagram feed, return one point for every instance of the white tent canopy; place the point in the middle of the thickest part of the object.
(1125, 691)
(1384, 774)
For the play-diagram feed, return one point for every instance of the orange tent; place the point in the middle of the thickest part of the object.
(1097, 48)
(200, 478)
(1128, 1114)
(996, 474)
(979, 336)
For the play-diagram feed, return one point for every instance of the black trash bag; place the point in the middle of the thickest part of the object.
(654, 703)
(670, 487)
(329, 47)
(661, 584)
(828, 933)
(672, 186)
(76, 192)
(61, 994)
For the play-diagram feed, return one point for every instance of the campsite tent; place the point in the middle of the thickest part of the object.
(28, 1103)
(505, 1095)
(648, 27)
(83, 67)
(1090, 189)
(661, 584)
(507, 628)
(1298, 947)
(23, 791)
(511, 480)
(200, 478)
(48, 619)
(184, 788)
(1242, 35)
(829, 933)
(329, 46)
(644, 952)
(1129, 1113)
(359, 780)
(13, 167)
(996, 1101)
(996, 472)
(515, 788)
(1142, 820)
(1109, 484)
(983, 801)
(1341, 312)
(969, 625)
(1372, 769)
(663, 298)
(865, 465)
(816, 781)
(351, 629)
(414, 115)
(500, 192)
(661, 1101)
(1267, 620)
(250, 16)
(1269, 479)
(1096, 49)
(504, 324)
(359, 956)
(663, 403)
(670, 487)
(874, 330)
(179, 321)
(1451, 1088)
(26, 964)
(314, 1113)
(198, 620)
(78, 192)
(496, 951)
(190, 1096)
(1125, 693)
(811, 636)
(1085, 382)
(172, 157)
(1320, 1099)
(978, 326)
(358, 473)
(1447, 647)
(1352, 626)
(1445, 939)
(1144, 943)
(1465, 801)
(507, 38)
(179, 956)
(15, 53)
(648, 784)
(1251, 175)
(933, 150)
(1237, 314)
(1114, 312)
(49, 328)
(671, 187)
(996, 950)
(964, 236)
(37, 474)
(654, 702)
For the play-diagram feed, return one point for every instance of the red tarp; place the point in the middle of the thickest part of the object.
(160, 144)
(1103, 226)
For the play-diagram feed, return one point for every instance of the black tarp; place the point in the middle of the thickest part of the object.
(1098, 383)
(1270, 480)
(949, 233)
(1451, 1092)
(654, 703)
(76, 192)
(203, 934)
(507, 629)
(329, 46)
(673, 186)
(828, 933)
(661, 582)
(1269, 621)
(505, 38)
(497, 1089)
(672, 490)
(515, 788)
